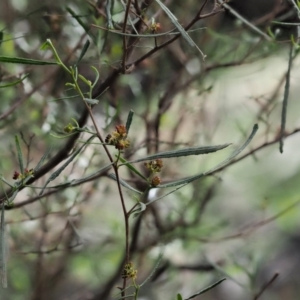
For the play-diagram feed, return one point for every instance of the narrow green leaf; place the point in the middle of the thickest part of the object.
(14, 83)
(129, 120)
(76, 182)
(45, 45)
(182, 152)
(153, 271)
(1, 37)
(165, 195)
(63, 98)
(179, 297)
(83, 51)
(20, 156)
(235, 153)
(183, 32)
(91, 176)
(78, 19)
(243, 20)
(206, 289)
(74, 71)
(5, 181)
(97, 76)
(40, 163)
(108, 9)
(13, 196)
(86, 27)
(25, 61)
(285, 100)
(55, 174)
(176, 23)
(285, 23)
(132, 168)
(124, 183)
(3, 249)
(184, 181)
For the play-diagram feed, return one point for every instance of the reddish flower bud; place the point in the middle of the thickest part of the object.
(155, 181)
(16, 175)
(121, 130)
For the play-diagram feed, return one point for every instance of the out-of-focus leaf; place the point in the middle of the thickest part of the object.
(45, 155)
(25, 61)
(235, 153)
(184, 181)
(124, 183)
(58, 172)
(108, 9)
(5, 181)
(129, 120)
(14, 83)
(153, 271)
(20, 156)
(206, 289)
(97, 76)
(83, 51)
(132, 168)
(78, 19)
(141, 207)
(86, 27)
(285, 99)
(1, 37)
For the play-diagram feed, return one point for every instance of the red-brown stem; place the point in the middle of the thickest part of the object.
(126, 215)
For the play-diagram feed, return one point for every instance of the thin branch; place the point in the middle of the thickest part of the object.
(157, 48)
(246, 22)
(124, 38)
(285, 99)
(265, 286)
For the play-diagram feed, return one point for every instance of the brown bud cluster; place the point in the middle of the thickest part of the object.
(129, 271)
(155, 181)
(118, 138)
(154, 166)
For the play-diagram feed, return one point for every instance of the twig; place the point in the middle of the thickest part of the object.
(285, 99)
(265, 286)
(246, 22)
(124, 38)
